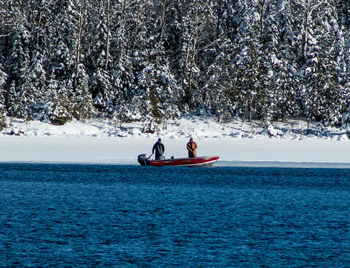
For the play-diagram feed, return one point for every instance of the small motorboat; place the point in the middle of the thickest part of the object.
(202, 161)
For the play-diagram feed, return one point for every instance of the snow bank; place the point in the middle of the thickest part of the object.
(236, 143)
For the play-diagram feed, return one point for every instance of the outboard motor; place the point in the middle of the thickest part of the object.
(143, 160)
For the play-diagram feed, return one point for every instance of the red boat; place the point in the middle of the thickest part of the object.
(201, 161)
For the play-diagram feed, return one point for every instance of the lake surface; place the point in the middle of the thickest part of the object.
(133, 216)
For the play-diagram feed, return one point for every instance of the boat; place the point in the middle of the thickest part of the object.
(201, 161)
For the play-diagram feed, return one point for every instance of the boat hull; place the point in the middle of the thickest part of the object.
(202, 161)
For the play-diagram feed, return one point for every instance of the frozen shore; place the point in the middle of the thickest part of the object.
(116, 150)
(91, 143)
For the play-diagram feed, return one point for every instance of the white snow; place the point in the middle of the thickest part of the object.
(237, 143)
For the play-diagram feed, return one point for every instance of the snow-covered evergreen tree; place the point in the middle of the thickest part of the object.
(192, 28)
(220, 91)
(323, 97)
(157, 92)
(18, 63)
(35, 86)
(3, 77)
(83, 108)
(59, 105)
(100, 78)
(123, 48)
(284, 61)
(63, 51)
(249, 62)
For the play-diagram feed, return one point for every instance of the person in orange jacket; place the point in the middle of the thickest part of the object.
(192, 148)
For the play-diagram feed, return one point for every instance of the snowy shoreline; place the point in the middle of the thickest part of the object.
(103, 143)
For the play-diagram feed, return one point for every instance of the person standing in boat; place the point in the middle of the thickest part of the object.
(159, 149)
(192, 148)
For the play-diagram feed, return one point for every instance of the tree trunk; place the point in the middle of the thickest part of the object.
(122, 33)
(305, 29)
(108, 34)
(262, 14)
(162, 20)
(81, 19)
(191, 54)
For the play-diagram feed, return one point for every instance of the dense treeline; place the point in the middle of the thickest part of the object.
(151, 60)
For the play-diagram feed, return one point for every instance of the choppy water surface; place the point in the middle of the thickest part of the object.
(133, 216)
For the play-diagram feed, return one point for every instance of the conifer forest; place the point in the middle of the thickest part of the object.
(154, 60)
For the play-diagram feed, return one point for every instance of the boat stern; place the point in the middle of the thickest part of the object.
(143, 160)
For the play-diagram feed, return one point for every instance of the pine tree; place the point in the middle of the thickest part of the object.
(35, 86)
(123, 43)
(284, 61)
(83, 108)
(220, 90)
(279, 59)
(249, 63)
(100, 78)
(156, 85)
(190, 71)
(59, 106)
(322, 94)
(3, 77)
(64, 38)
(18, 64)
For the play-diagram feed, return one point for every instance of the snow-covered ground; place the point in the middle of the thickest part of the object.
(237, 143)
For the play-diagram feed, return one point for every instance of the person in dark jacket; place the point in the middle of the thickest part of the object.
(159, 149)
(192, 148)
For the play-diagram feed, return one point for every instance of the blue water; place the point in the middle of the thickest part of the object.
(133, 216)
